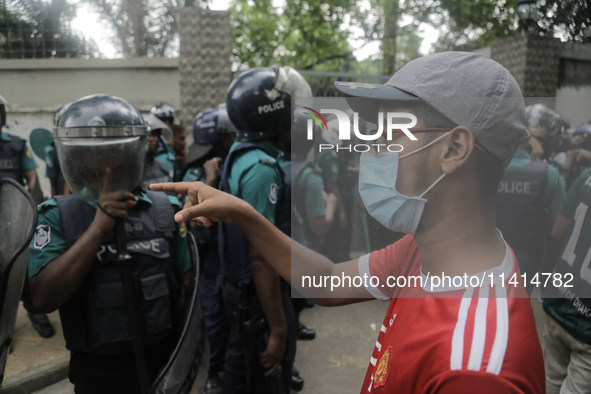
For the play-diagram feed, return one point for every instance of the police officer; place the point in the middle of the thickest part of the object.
(312, 210)
(164, 152)
(213, 138)
(335, 176)
(547, 128)
(579, 158)
(259, 105)
(529, 198)
(567, 341)
(155, 170)
(72, 266)
(16, 162)
(164, 112)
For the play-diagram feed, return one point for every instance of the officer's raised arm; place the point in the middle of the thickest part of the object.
(207, 205)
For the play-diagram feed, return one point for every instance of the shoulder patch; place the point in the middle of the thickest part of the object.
(273, 192)
(268, 162)
(42, 236)
(183, 230)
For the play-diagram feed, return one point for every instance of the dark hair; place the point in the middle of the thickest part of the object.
(177, 129)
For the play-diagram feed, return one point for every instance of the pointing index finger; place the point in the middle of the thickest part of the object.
(176, 187)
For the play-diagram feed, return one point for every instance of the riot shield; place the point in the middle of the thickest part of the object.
(189, 360)
(18, 217)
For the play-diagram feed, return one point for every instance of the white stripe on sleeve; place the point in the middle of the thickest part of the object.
(364, 270)
(457, 341)
(497, 354)
(479, 334)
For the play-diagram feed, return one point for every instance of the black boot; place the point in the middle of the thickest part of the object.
(297, 383)
(213, 384)
(305, 333)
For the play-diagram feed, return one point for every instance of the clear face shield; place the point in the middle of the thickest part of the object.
(101, 160)
(293, 83)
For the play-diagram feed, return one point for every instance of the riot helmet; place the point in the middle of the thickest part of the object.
(584, 129)
(542, 116)
(210, 128)
(158, 127)
(582, 136)
(3, 105)
(259, 101)
(58, 114)
(164, 112)
(301, 140)
(549, 124)
(101, 142)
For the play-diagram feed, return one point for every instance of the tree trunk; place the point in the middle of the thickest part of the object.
(391, 13)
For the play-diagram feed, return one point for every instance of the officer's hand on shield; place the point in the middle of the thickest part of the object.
(206, 204)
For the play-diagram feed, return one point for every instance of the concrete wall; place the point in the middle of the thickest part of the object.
(36, 88)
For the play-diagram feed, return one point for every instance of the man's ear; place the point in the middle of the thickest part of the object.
(459, 145)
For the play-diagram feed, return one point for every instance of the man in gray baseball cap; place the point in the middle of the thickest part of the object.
(438, 336)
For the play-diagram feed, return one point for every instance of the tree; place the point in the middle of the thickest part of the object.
(304, 33)
(471, 24)
(316, 34)
(142, 27)
(38, 29)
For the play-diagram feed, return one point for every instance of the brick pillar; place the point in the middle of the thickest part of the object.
(534, 62)
(204, 65)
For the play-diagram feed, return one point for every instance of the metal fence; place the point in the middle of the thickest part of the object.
(27, 33)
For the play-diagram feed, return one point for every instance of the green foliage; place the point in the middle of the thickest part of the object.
(143, 27)
(39, 29)
(305, 34)
(570, 19)
(471, 24)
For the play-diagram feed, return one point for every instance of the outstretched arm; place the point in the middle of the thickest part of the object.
(208, 205)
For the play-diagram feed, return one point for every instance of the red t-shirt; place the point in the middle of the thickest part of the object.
(432, 343)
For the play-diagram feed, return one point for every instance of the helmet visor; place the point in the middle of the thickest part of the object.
(293, 83)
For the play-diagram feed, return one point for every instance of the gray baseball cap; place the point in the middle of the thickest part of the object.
(469, 89)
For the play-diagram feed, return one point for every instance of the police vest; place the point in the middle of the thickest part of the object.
(300, 226)
(233, 245)
(520, 210)
(10, 159)
(95, 319)
(158, 172)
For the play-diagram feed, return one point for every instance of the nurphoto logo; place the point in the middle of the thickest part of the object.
(343, 130)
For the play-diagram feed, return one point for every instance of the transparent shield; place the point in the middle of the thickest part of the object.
(17, 222)
(93, 166)
(190, 357)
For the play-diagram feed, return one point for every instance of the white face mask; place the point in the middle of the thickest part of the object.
(377, 187)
